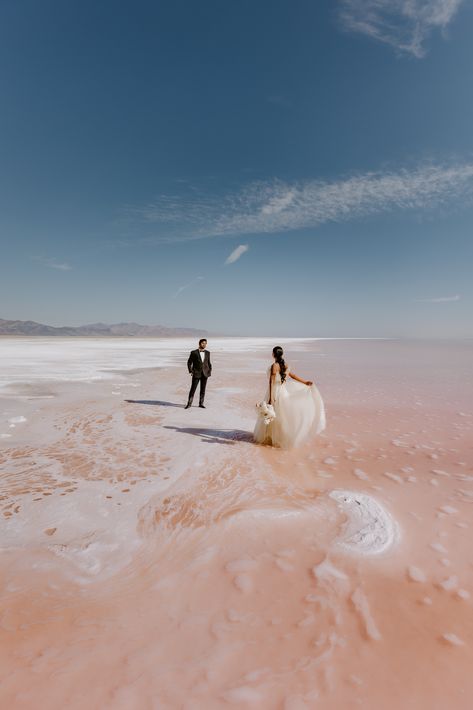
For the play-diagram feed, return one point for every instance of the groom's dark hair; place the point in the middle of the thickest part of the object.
(202, 340)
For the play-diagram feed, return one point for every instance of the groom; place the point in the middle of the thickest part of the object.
(200, 368)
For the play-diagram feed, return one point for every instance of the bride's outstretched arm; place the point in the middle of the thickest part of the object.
(304, 382)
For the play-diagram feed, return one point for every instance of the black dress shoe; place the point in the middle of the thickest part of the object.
(202, 406)
(187, 406)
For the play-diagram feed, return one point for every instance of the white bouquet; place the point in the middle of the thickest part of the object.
(266, 411)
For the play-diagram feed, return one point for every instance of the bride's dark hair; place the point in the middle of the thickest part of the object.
(278, 356)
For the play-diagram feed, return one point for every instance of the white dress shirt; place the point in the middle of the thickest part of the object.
(202, 355)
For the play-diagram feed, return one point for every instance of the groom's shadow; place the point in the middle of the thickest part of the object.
(155, 402)
(216, 436)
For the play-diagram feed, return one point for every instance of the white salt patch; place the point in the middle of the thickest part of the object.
(243, 694)
(412, 479)
(415, 574)
(466, 495)
(369, 530)
(241, 566)
(363, 608)
(463, 594)
(427, 601)
(329, 461)
(448, 509)
(433, 482)
(234, 616)
(244, 583)
(326, 570)
(306, 621)
(440, 473)
(5, 436)
(253, 676)
(461, 525)
(407, 469)
(287, 553)
(285, 566)
(316, 599)
(398, 442)
(445, 562)
(449, 583)
(437, 547)
(453, 639)
(393, 477)
(324, 474)
(359, 473)
(17, 420)
(90, 558)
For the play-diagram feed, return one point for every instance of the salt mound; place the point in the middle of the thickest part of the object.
(453, 639)
(415, 574)
(17, 420)
(369, 529)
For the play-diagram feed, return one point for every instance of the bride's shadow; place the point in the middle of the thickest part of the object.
(216, 436)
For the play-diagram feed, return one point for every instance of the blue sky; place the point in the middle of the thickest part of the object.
(326, 145)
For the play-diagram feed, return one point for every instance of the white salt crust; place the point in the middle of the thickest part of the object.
(370, 529)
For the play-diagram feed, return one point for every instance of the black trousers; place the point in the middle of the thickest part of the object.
(203, 385)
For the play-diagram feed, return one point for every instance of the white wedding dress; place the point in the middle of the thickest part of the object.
(299, 412)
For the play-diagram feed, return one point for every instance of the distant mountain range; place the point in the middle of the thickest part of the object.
(29, 327)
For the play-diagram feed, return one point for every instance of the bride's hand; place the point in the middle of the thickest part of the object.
(309, 383)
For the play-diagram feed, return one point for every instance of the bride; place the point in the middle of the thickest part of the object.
(297, 408)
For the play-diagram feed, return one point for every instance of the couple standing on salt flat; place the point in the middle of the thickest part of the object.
(291, 411)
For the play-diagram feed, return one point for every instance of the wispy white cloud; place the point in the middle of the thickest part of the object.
(439, 299)
(403, 24)
(271, 207)
(53, 263)
(186, 286)
(236, 253)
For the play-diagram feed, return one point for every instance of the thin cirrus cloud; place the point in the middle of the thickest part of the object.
(53, 263)
(405, 25)
(440, 299)
(276, 206)
(237, 253)
(189, 285)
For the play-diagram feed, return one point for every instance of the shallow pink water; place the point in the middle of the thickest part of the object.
(158, 559)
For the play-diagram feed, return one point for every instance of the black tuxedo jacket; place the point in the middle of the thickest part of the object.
(197, 367)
